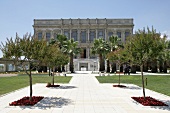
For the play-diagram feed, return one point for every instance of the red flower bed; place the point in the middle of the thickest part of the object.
(26, 102)
(52, 85)
(149, 101)
(121, 86)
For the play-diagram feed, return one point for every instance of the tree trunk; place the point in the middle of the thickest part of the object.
(101, 68)
(71, 63)
(113, 67)
(143, 85)
(49, 72)
(53, 76)
(165, 67)
(108, 66)
(119, 74)
(30, 77)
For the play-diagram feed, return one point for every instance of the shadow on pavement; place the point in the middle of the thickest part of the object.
(133, 87)
(63, 87)
(167, 102)
(49, 102)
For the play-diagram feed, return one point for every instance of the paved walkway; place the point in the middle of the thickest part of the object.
(83, 94)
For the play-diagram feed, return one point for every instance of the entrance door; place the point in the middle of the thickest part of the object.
(83, 67)
(83, 53)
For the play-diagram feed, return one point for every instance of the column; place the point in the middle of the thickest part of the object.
(106, 35)
(88, 49)
(70, 34)
(88, 35)
(44, 35)
(78, 68)
(89, 67)
(123, 36)
(96, 34)
(78, 36)
(52, 34)
(5, 67)
(62, 31)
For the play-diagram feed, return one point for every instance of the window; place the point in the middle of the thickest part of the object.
(100, 34)
(66, 33)
(92, 36)
(55, 35)
(48, 36)
(39, 35)
(119, 34)
(110, 34)
(74, 35)
(83, 36)
(126, 34)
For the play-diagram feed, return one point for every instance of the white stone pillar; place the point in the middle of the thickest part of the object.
(78, 68)
(96, 34)
(106, 34)
(44, 35)
(62, 31)
(88, 35)
(78, 35)
(52, 34)
(123, 36)
(88, 67)
(88, 53)
(70, 34)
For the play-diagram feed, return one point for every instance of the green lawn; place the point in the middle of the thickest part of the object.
(158, 83)
(8, 84)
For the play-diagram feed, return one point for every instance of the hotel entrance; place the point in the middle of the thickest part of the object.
(83, 53)
(83, 67)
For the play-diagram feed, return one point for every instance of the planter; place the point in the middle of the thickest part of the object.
(121, 86)
(149, 101)
(26, 102)
(53, 86)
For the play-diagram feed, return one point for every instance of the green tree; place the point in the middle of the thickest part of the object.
(119, 56)
(61, 40)
(142, 46)
(71, 48)
(29, 48)
(164, 55)
(54, 57)
(101, 48)
(114, 43)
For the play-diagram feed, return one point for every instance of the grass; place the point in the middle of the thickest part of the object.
(158, 83)
(8, 84)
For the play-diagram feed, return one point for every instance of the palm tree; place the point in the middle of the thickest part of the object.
(71, 47)
(164, 55)
(101, 48)
(114, 42)
(61, 41)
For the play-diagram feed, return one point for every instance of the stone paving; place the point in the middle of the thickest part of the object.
(84, 94)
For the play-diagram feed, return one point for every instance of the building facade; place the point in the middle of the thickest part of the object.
(85, 31)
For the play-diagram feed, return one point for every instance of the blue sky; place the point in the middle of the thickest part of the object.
(17, 15)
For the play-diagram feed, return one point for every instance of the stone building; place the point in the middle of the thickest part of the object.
(85, 31)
